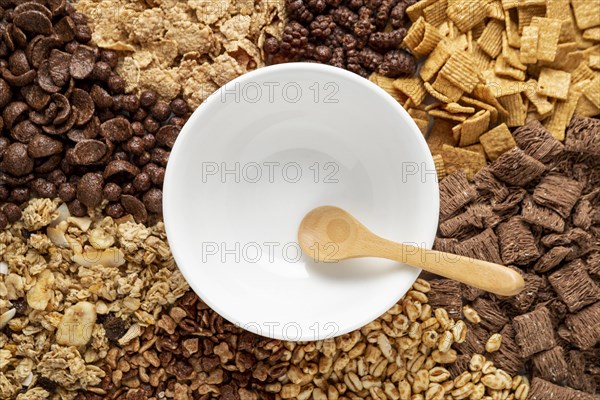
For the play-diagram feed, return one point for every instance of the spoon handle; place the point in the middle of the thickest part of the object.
(481, 274)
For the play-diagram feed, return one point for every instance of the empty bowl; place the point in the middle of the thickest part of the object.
(259, 154)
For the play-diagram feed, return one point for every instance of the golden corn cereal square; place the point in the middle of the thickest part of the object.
(430, 40)
(563, 112)
(554, 83)
(446, 88)
(466, 13)
(567, 31)
(540, 102)
(457, 159)
(415, 11)
(484, 106)
(587, 13)
(498, 86)
(512, 29)
(592, 34)
(586, 108)
(440, 134)
(494, 10)
(497, 141)
(412, 87)
(415, 34)
(458, 43)
(581, 42)
(582, 73)
(517, 111)
(438, 161)
(511, 55)
(461, 70)
(482, 60)
(594, 61)
(437, 95)
(527, 3)
(435, 14)
(422, 124)
(591, 91)
(418, 113)
(567, 57)
(387, 84)
(508, 4)
(491, 38)
(529, 44)
(527, 13)
(558, 9)
(473, 127)
(449, 116)
(477, 30)
(475, 148)
(456, 132)
(503, 69)
(549, 32)
(484, 93)
(456, 108)
(435, 61)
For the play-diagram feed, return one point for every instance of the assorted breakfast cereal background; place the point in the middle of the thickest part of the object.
(93, 94)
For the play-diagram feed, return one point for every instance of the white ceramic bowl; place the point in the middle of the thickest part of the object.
(255, 158)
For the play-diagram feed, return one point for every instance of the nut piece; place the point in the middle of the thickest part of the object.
(100, 239)
(41, 293)
(76, 326)
(493, 343)
(7, 316)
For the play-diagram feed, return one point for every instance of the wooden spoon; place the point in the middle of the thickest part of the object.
(331, 234)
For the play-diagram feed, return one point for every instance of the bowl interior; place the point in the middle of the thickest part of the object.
(255, 158)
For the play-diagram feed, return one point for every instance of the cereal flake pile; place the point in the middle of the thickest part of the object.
(190, 47)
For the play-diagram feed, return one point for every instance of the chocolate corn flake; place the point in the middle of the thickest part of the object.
(593, 264)
(558, 193)
(483, 246)
(574, 286)
(488, 187)
(583, 136)
(492, 317)
(474, 342)
(476, 216)
(541, 216)
(537, 142)
(517, 244)
(534, 332)
(517, 168)
(524, 300)
(551, 259)
(544, 390)
(551, 365)
(455, 193)
(508, 355)
(446, 293)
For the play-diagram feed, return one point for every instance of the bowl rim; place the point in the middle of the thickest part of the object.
(170, 201)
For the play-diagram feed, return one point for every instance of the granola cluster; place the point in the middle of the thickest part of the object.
(71, 286)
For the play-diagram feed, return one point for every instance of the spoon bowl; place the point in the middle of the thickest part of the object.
(331, 234)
